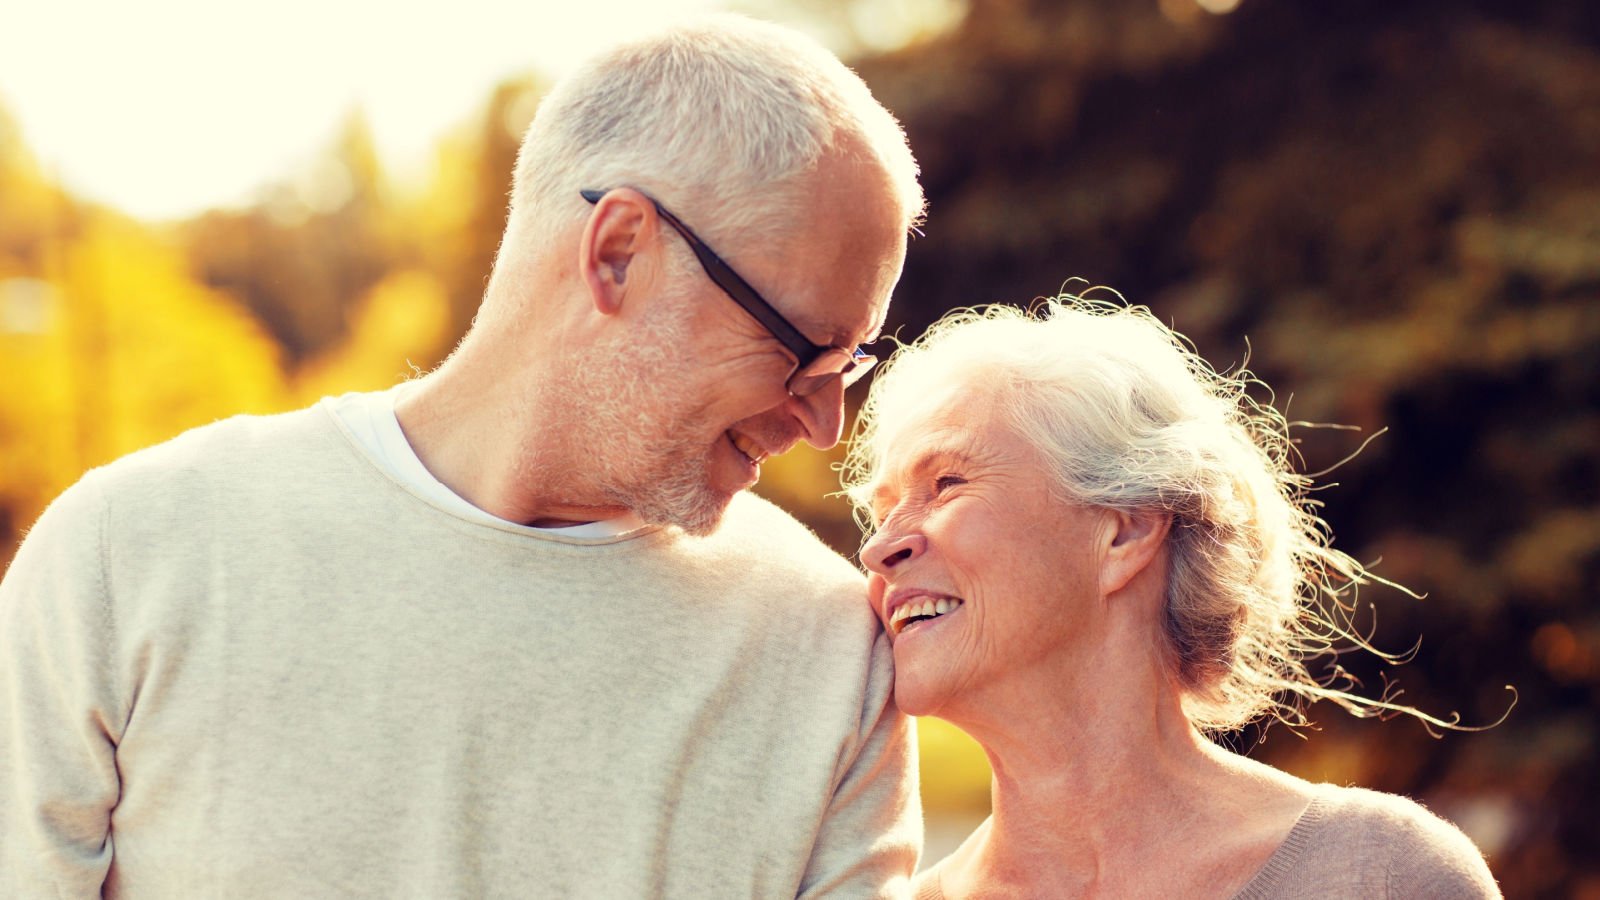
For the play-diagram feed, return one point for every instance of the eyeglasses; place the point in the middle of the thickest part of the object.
(816, 366)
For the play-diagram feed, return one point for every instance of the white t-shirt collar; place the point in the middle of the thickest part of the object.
(370, 418)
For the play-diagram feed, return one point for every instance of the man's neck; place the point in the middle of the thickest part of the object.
(504, 450)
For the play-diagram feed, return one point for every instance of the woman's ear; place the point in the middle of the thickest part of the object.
(612, 239)
(1135, 542)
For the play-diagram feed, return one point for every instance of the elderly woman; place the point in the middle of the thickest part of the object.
(1089, 554)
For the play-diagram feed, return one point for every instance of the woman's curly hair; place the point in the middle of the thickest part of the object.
(1129, 417)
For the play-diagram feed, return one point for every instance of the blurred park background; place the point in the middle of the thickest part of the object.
(1393, 209)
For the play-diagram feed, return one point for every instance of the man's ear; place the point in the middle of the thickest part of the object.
(1136, 540)
(612, 239)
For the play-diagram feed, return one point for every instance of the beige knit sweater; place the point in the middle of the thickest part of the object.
(246, 663)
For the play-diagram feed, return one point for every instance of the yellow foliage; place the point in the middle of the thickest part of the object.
(26, 197)
(39, 450)
(405, 316)
(441, 214)
(955, 770)
(131, 352)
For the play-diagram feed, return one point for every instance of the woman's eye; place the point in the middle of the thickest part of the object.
(945, 482)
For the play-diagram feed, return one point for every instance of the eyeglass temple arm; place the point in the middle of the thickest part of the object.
(746, 296)
(740, 290)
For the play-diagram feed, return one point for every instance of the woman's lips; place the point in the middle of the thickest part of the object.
(921, 608)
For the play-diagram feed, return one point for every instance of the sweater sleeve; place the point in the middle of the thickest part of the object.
(872, 835)
(1432, 858)
(58, 718)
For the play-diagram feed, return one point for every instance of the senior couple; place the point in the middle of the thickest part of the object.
(517, 629)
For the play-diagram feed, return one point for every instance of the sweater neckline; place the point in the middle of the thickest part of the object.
(1283, 860)
(1261, 885)
(331, 421)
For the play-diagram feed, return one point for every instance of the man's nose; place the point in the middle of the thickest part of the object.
(888, 549)
(822, 414)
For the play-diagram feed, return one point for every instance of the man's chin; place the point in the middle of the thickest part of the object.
(697, 515)
(700, 527)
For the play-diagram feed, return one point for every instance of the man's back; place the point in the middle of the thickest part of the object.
(273, 671)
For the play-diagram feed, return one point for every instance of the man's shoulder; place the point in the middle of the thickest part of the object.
(1425, 852)
(150, 494)
(244, 450)
(754, 524)
(225, 440)
(769, 559)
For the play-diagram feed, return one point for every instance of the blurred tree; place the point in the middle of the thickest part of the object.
(856, 27)
(454, 223)
(123, 351)
(473, 187)
(318, 241)
(31, 208)
(1400, 203)
(403, 318)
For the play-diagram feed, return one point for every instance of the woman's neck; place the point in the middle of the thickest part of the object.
(1101, 797)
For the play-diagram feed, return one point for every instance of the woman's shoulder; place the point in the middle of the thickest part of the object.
(1393, 816)
(1422, 854)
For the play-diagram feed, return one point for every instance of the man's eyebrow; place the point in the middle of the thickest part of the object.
(840, 337)
(877, 327)
(832, 335)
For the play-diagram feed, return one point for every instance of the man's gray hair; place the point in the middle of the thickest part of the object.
(1126, 416)
(717, 118)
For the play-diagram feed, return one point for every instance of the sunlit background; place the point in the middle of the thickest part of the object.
(207, 209)
(167, 108)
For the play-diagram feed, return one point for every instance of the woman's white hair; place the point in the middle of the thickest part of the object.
(717, 118)
(1129, 417)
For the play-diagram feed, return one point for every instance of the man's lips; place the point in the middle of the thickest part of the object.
(747, 445)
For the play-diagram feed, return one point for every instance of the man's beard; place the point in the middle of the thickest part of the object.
(651, 450)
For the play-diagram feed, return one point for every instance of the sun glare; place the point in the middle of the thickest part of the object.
(165, 108)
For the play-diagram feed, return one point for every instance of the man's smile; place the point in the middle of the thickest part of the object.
(748, 446)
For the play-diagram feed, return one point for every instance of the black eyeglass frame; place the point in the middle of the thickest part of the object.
(809, 375)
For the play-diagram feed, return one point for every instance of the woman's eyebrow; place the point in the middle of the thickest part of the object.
(942, 456)
(881, 493)
(936, 457)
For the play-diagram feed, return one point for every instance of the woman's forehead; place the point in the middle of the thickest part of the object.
(945, 439)
(931, 428)
(894, 469)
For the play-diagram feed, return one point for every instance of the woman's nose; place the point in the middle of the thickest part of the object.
(886, 550)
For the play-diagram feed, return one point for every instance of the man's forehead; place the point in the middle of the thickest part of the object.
(843, 254)
(845, 327)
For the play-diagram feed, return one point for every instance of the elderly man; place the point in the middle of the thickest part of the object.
(511, 629)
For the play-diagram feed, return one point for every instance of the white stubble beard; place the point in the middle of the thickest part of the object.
(650, 450)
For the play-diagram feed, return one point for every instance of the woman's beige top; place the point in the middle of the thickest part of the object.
(1352, 842)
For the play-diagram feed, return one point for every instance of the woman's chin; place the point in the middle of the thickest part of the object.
(915, 698)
